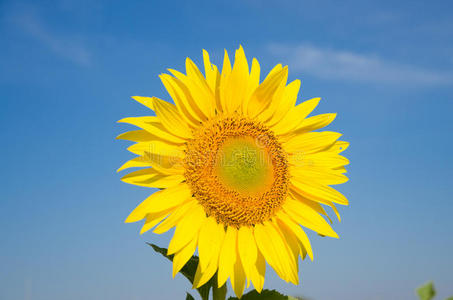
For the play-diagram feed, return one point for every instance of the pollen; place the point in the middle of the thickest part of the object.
(237, 170)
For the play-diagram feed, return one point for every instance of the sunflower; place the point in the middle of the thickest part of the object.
(239, 168)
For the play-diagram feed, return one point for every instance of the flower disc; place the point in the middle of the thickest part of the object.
(237, 170)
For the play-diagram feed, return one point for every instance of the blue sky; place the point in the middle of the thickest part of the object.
(68, 68)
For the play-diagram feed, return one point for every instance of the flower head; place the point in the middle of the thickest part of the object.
(240, 169)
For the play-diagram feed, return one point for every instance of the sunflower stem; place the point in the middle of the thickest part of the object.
(219, 293)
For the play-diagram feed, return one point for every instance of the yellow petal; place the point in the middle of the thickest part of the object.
(226, 71)
(295, 192)
(319, 175)
(315, 123)
(153, 126)
(291, 254)
(198, 94)
(269, 109)
(171, 119)
(295, 116)
(135, 136)
(149, 177)
(307, 217)
(324, 159)
(226, 68)
(258, 272)
(335, 210)
(266, 116)
(341, 170)
(314, 205)
(227, 256)
(155, 154)
(138, 162)
(238, 280)
(153, 219)
(183, 255)
(286, 103)
(157, 147)
(233, 87)
(160, 200)
(339, 146)
(213, 78)
(267, 248)
(248, 251)
(204, 96)
(177, 214)
(210, 72)
(311, 142)
(291, 240)
(276, 69)
(318, 192)
(218, 104)
(164, 157)
(187, 228)
(274, 250)
(203, 274)
(180, 93)
(298, 231)
(201, 277)
(263, 95)
(210, 241)
(146, 101)
(253, 83)
(168, 165)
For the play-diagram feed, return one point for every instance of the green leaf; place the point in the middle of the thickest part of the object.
(189, 270)
(449, 298)
(426, 291)
(265, 294)
(189, 297)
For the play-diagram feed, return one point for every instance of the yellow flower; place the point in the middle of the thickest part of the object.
(240, 171)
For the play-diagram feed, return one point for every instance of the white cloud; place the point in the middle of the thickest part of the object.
(350, 66)
(67, 46)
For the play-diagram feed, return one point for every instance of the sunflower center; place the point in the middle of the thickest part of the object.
(237, 170)
(243, 166)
